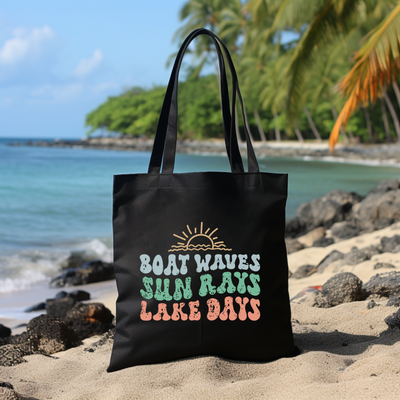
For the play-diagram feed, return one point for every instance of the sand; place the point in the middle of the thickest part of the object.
(347, 353)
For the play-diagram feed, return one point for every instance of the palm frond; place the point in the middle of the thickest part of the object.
(293, 13)
(324, 27)
(376, 62)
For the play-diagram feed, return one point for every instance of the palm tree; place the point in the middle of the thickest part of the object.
(274, 89)
(376, 64)
(320, 22)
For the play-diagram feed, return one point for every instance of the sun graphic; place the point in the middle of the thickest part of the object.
(198, 240)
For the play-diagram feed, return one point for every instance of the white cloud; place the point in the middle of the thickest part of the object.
(87, 65)
(25, 44)
(28, 65)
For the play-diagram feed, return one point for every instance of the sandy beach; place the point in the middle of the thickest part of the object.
(347, 352)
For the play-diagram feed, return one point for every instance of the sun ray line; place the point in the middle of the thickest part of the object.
(215, 230)
(206, 231)
(187, 226)
(201, 227)
(181, 243)
(179, 237)
(195, 230)
(218, 242)
(216, 237)
(185, 234)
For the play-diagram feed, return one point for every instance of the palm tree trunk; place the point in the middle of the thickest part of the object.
(392, 113)
(312, 125)
(239, 139)
(396, 90)
(298, 134)
(277, 132)
(247, 124)
(260, 128)
(342, 131)
(369, 126)
(385, 120)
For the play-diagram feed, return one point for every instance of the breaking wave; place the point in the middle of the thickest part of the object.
(20, 269)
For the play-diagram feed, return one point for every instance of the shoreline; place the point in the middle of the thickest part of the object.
(368, 154)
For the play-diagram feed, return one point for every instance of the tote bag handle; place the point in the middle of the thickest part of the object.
(171, 135)
(231, 139)
(166, 135)
(166, 128)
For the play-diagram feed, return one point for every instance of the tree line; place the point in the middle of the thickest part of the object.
(335, 77)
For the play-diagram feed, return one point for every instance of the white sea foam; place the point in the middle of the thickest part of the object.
(21, 269)
(96, 249)
(342, 160)
(27, 279)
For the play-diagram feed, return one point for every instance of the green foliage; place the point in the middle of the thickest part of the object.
(136, 111)
(199, 108)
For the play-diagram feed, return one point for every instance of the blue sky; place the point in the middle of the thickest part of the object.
(61, 59)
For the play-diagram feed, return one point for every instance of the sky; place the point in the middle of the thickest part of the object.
(59, 60)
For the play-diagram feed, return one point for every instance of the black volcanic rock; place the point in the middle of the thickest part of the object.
(36, 307)
(349, 214)
(393, 320)
(78, 295)
(49, 335)
(329, 259)
(344, 287)
(304, 271)
(323, 242)
(89, 272)
(385, 186)
(378, 210)
(383, 265)
(390, 245)
(4, 331)
(11, 355)
(355, 256)
(393, 301)
(89, 319)
(344, 230)
(59, 307)
(44, 335)
(384, 284)
(334, 207)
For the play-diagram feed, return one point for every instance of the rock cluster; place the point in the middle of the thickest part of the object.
(345, 287)
(347, 214)
(67, 322)
(353, 257)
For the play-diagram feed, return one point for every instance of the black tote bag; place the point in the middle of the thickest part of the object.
(200, 258)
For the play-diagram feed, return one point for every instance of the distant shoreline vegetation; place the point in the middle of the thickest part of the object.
(135, 113)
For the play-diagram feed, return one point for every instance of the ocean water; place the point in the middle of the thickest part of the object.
(54, 201)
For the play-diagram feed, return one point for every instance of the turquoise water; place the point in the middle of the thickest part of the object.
(55, 200)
